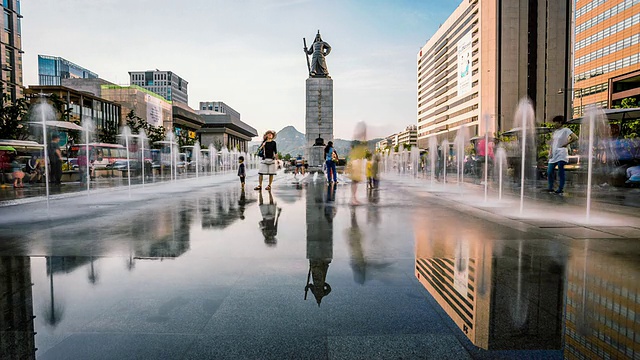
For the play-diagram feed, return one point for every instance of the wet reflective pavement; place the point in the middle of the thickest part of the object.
(208, 271)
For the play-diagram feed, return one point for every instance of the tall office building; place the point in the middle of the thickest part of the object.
(164, 83)
(52, 69)
(606, 53)
(11, 48)
(483, 59)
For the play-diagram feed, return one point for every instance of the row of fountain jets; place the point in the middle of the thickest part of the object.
(594, 133)
(207, 161)
(211, 161)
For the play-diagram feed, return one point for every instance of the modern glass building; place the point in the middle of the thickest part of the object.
(11, 50)
(164, 83)
(51, 69)
(606, 53)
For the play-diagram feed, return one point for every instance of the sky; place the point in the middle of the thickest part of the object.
(249, 53)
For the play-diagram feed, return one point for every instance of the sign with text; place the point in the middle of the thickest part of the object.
(154, 110)
(464, 64)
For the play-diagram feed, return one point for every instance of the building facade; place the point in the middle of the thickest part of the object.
(164, 83)
(11, 50)
(186, 122)
(156, 110)
(409, 136)
(222, 130)
(52, 69)
(105, 114)
(483, 59)
(606, 53)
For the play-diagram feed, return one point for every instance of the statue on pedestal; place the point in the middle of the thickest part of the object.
(318, 50)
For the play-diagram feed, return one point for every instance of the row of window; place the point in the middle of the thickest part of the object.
(622, 44)
(595, 89)
(622, 25)
(590, 6)
(606, 15)
(445, 37)
(616, 65)
(449, 126)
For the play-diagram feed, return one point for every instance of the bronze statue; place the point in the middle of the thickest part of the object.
(318, 50)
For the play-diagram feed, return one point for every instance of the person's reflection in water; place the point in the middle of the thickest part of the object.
(242, 203)
(269, 224)
(373, 215)
(358, 262)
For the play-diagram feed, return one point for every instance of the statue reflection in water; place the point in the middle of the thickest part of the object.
(320, 216)
(269, 223)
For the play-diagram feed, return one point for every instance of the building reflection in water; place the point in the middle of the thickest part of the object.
(319, 217)
(510, 301)
(603, 304)
(160, 235)
(17, 335)
(223, 208)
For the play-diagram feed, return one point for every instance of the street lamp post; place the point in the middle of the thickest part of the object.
(561, 91)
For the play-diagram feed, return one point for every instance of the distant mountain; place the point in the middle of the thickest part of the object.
(291, 141)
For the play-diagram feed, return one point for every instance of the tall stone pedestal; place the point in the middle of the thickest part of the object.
(319, 117)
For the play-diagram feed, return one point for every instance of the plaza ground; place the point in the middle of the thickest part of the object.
(197, 269)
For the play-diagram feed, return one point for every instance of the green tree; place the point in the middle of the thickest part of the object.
(185, 140)
(629, 129)
(135, 122)
(108, 135)
(14, 119)
(154, 133)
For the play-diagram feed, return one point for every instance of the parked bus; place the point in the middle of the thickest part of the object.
(103, 154)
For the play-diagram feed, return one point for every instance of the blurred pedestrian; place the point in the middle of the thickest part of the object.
(55, 160)
(356, 160)
(241, 171)
(484, 150)
(269, 156)
(559, 153)
(18, 174)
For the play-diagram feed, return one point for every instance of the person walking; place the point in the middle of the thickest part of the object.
(559, 153)
(331, 157)
(16, 170)
(55, 160)
(241, 171)
(269, 156)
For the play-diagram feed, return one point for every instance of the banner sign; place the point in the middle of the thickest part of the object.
(154, 110)
(464, 64)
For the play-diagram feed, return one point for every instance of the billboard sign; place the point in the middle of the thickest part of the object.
(464, 64)
(154, 110)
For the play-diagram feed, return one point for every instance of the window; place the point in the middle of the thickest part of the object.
(5, 3)
(7, 21)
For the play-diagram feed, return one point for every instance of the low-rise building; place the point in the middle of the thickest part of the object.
(148, 105)
(105, 113)
(223, 128)
(186, 121)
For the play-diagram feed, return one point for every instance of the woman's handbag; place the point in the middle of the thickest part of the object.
(334, 157)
